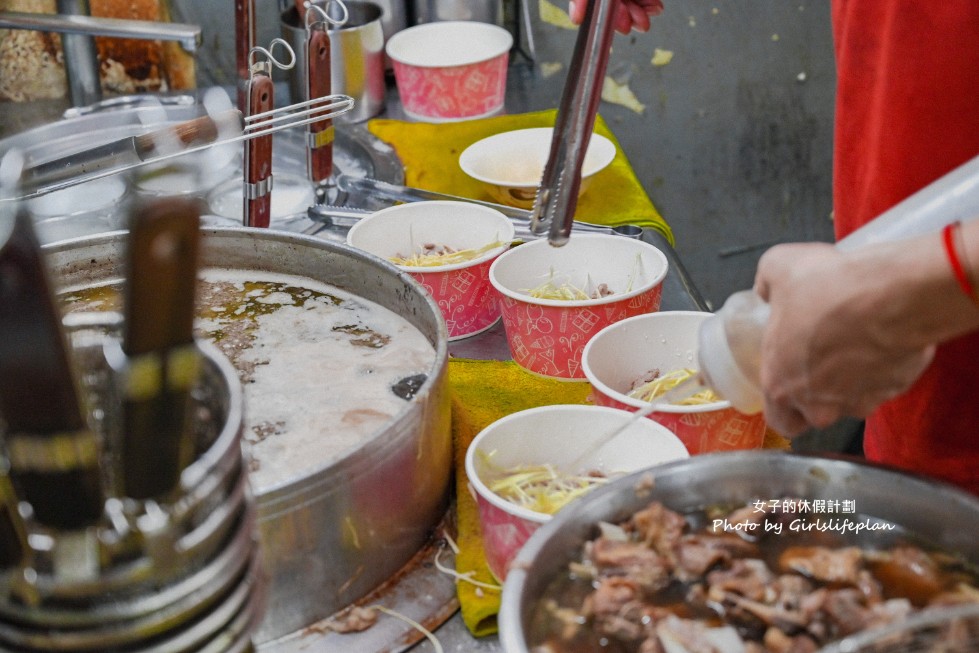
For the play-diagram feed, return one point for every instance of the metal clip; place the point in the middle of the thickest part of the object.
(259, 189)
(326, 21)
(265, 67)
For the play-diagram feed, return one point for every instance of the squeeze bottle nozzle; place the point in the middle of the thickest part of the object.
(729, 348)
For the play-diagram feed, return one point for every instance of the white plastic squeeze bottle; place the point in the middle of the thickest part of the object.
(729, 347)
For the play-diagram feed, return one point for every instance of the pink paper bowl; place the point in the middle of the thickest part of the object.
(555, 435)
(462, 291)
(547, 336)
(626, 351)
(450, 70)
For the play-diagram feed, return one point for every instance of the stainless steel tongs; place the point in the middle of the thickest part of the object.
(557, 197)
(222, 126)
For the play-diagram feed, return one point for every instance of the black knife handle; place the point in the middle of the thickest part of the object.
(159, 361)
(13, 536)
(53, 454)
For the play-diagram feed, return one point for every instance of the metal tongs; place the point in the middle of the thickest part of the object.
(557, 197)
(222, 126)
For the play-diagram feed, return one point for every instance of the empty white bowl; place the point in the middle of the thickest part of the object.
(511, 163)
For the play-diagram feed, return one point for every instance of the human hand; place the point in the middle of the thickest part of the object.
(833, 345)
(629, 14)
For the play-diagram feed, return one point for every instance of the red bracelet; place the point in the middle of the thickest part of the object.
(948, 239)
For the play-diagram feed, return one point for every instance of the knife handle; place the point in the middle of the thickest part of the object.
(244, 41)
(54, 456)
(320, 134)
(13, 535)
(158, 362)
(258, 157)
(204, 129)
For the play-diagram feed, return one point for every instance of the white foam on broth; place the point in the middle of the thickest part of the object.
(321, 371)
(317, 364)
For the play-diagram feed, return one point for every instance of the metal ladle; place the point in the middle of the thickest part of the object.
(557, 197)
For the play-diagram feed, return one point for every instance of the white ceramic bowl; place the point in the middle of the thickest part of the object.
(556, 435)
(510, 164)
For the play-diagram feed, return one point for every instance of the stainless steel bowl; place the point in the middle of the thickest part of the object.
(394, 486)
(944, 516)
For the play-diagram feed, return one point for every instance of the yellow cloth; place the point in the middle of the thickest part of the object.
(430, 156)
(483, 391)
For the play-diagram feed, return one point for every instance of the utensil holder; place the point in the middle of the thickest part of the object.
(181, 575)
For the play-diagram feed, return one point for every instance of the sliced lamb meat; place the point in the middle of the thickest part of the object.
(615, 609)
(834, 566)
(697, 554)
(777, 641)
(678, 635)
(847, 613)
(789, 591)
(635, 560)
(747, 577)
(751, 614)
(659, 527)
(610, 596)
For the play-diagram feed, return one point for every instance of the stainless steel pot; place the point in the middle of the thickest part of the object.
(394, 487)
(945, 516)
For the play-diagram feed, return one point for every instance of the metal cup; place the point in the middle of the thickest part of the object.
(485, 11)
(357, 64)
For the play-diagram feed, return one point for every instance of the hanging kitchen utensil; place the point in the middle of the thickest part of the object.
(320, 134)
(557, 197)
(158, 362)
(244, 42)
(257, 165)
(134, 150)
(53, 453)
(85, 166)
(13, 535)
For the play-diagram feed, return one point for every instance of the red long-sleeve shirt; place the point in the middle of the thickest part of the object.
(907, 112)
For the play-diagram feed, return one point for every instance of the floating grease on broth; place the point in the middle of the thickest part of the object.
(733, 580)
(318, 365)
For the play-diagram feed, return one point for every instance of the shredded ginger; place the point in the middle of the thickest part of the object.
(541, 488)
(432, 255)
(663, 383)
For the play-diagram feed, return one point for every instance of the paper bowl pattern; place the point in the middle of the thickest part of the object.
(547, 336)
(465, 297)
(555, 435)
(450, 70)
(622, 353)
